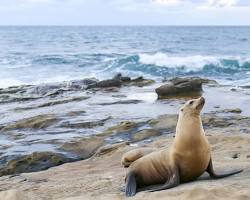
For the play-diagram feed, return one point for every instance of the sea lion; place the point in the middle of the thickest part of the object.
(188, 158)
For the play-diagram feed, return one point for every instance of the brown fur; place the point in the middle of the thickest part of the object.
(190, 152)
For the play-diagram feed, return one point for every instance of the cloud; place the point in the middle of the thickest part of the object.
(167, 2)
(222, 3)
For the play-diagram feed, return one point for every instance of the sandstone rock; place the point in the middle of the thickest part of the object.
(83, 148)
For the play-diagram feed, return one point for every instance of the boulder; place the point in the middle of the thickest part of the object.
(180, 87)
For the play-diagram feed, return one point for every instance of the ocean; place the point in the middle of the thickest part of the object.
(34, 55)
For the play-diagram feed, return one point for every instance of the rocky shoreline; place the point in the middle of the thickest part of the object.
(96, 121)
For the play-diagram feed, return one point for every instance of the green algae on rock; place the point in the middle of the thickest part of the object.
(34, 162)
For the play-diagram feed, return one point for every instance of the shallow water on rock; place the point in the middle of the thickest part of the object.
(49, 121)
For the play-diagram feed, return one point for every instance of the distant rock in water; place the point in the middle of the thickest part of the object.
(178, 87)
(118, 80)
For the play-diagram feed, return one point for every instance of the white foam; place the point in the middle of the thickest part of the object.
(194, 63)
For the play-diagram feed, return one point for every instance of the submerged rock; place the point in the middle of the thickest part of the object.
(37, 122)
(34, 162)
(180, 87)
(85, 124)
(132, 101)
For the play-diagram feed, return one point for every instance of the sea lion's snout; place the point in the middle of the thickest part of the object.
(201, 102)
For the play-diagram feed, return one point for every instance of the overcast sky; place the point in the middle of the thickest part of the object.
(124, 12)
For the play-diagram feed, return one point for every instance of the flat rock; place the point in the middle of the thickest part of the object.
(83, 148)
(37, 122)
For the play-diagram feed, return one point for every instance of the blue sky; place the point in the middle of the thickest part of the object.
(124, 12)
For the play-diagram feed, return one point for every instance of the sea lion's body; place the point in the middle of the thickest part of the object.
(188, 158)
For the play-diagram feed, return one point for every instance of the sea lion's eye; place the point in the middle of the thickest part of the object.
(182, 110)
(191, 102)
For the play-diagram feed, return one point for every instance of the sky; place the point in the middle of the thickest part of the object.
(124, 12)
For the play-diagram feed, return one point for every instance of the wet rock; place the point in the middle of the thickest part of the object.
(110, 148)
(180, 87)
(145, 134)
(164, 122)
(140, 82)
(178, 80)
(55, 102)
(34, 162)
(10, 98)
(76, 113)
(37, 122)
(83, 148)
(82, 84)
(132, 101)
(236, 110)
(211, 120)
(106, 83)
(121, 78)
(125, 126)
(85, 124)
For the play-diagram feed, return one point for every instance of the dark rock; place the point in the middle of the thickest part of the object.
(122, 78)
(236, 110)
(180, 87)
(132, 101)
(85, 124)
(55, 102)
(37, 122)
(34, 162)
(141, 82)
(106, 83)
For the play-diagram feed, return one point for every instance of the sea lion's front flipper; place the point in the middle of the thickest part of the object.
(131, 185)
(172, 181)
(212, 174)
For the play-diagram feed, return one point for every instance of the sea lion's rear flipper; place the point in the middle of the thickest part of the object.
(130, 188)
(212, 174)
(172, 181)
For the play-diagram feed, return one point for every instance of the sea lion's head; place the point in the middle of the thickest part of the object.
(193, 106)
